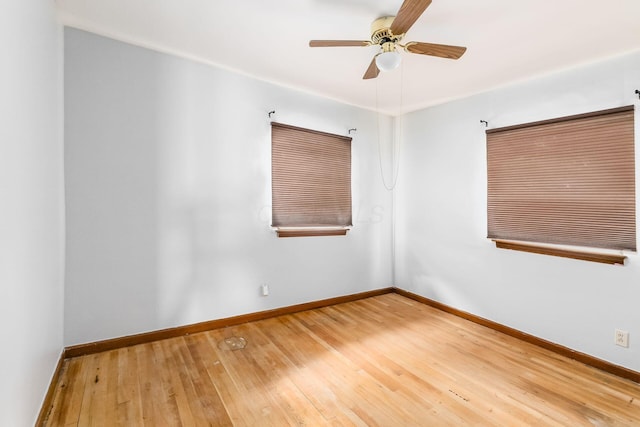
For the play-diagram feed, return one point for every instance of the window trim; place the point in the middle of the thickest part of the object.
(564, 252)
(311, 231)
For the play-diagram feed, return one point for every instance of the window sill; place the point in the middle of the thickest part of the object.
(605, 258)
(311, 231)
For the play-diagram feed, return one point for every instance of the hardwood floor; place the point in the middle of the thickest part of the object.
(381, 361)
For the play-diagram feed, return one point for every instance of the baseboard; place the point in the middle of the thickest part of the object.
(47, 403)
(556, 348)
(127, 341)
(116, 343)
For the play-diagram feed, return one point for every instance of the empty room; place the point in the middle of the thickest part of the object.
(305, 212)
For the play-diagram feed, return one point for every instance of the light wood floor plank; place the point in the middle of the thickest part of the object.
(380, 361)
(129, 410)
(69, 389)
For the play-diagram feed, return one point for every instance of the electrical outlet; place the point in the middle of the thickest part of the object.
(265, 290)
(622, 338)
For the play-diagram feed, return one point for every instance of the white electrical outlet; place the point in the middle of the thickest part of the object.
(265, 290)
(622, 338)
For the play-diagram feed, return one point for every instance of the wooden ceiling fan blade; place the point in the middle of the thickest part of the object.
(373, 71)
(408, 14)
(338, 43)
(432, 49)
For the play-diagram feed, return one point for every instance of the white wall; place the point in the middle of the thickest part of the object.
(442, 250)
(31, 213)
(168, 195)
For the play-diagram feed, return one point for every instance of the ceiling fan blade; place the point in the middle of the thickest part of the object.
(373, 71)
(408, 14)
(338, 43)
(432, 49)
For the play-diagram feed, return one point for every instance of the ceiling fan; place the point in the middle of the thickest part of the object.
(387, 32)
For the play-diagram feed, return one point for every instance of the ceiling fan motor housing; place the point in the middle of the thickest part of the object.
(380, 32)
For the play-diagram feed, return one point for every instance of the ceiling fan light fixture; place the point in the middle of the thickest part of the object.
(388, 60)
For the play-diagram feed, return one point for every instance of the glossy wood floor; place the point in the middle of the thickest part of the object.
(381, 361)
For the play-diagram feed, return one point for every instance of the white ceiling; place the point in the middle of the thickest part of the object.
(507, 41)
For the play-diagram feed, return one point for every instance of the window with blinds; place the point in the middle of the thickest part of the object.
(310, 182)
(566, 181)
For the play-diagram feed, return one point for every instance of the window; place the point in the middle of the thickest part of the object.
(310, 182)
(566, 181)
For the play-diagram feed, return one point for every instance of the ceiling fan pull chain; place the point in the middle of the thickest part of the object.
(396, 139)
(379, 143)
(399, 125)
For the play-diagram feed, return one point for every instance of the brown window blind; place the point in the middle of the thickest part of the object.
(311, 178)
(567, 181)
